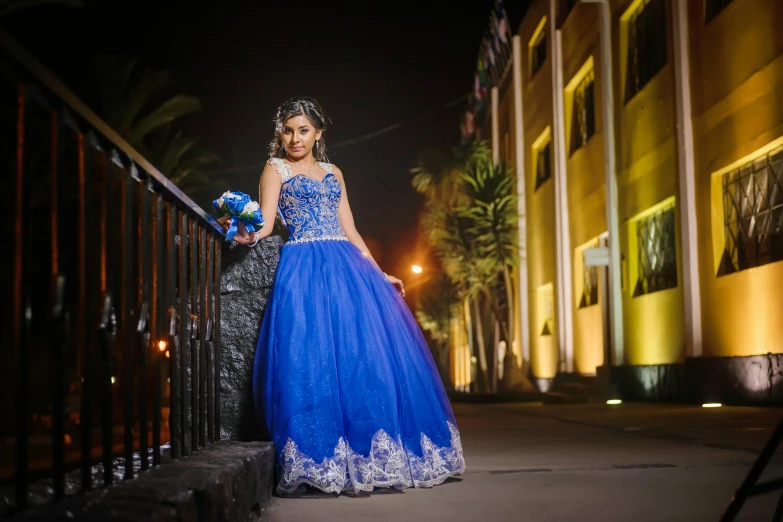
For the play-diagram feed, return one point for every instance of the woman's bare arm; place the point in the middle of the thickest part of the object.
(268, 197)
(345, 216)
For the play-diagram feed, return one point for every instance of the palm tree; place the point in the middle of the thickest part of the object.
(436, 175)
(493, 212)
(178, 158)
(451, 235)
(435, 307)
(470, 220)
(135, 103)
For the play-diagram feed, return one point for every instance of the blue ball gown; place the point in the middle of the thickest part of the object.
(343, 376)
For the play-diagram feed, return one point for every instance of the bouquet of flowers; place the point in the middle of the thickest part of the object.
(239, 208)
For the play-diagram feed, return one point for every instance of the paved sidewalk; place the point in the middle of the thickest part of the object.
(529, 462)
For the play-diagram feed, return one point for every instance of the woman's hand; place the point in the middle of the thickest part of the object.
(243, 237)
(397, 283)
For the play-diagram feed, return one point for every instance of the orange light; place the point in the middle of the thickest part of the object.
(162, 346)
(416, 269)
(167, 354)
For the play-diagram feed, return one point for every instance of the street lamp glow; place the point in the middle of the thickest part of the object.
(162, 345)
(613, 402)
(711, 405)
(416, 269)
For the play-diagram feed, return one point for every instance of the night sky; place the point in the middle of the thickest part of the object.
(370, 68)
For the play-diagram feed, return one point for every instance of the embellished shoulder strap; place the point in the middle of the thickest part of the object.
(328, 167)
(283, 168)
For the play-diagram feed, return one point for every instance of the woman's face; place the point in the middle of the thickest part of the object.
(299, 136)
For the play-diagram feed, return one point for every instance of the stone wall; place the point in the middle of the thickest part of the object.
(245, 286)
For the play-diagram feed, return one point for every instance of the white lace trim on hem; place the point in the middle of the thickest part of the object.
(389, 464)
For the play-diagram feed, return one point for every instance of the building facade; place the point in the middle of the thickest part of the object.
(647, 136)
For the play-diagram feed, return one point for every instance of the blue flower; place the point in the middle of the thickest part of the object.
(240, 208)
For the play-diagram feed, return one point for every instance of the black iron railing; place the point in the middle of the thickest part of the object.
(112, 299)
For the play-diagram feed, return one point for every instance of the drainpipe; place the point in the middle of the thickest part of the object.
(524, 334)
(687, 199)
(615, 299)
(565, 325)
(495, 99)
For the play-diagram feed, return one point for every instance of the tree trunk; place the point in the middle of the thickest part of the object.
(482, 350)
(499, 316)
(512, 309)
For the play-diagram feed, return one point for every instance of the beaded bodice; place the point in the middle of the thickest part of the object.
(309, 206)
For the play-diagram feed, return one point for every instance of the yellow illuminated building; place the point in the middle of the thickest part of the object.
(695, 107)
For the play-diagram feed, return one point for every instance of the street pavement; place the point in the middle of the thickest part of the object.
(532, 462)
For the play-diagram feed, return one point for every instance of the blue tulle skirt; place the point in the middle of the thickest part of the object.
(345, 380)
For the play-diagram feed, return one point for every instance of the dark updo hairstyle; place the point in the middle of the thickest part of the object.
(303, 106)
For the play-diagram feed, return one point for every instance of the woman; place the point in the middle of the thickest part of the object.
(343, 376)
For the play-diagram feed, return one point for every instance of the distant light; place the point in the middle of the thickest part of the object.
(162, 345)
(473, 359)
(67, 439)
(168, 380)
(113, 380)
(167, 354)
(613, 402)
(416, 269)
(711, 405)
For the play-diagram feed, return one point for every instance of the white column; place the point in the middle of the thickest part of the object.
(615, 299)
(495, 98)
(519, 146)
(565, 325)
(687, 200)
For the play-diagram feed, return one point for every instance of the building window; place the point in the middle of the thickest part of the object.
(583, 112)
(753, 214)
(542, 157)
(657, 253)
(538, 53)
(646, 45)
(543, 165)
(712, 8)
(589, 285)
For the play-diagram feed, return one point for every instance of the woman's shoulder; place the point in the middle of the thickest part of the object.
(279, 166)
(331, 167)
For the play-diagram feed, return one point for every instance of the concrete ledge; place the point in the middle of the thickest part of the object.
(486, 398)
(756, 379)
(227, 481)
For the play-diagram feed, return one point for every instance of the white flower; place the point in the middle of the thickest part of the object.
(230, 195)
(250, 208)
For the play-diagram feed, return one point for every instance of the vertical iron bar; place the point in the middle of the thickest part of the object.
(194, 348)
(127, 318)
(160, 326)
(216, 327)
(21, 323)
(105, 342)
(58, 317)
(175, 426)
(202, 340)
(144, 322)
(85, 324)
(106, 334)
(184, 318)
(210, 346)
